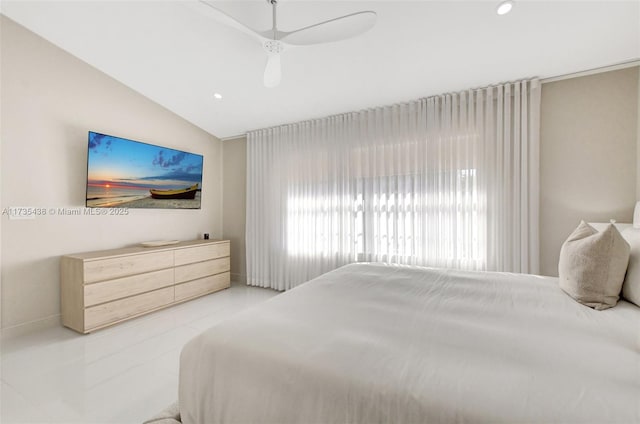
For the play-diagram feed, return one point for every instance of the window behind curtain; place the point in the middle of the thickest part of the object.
(382, 219)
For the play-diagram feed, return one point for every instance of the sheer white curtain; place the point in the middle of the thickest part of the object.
(447, 181)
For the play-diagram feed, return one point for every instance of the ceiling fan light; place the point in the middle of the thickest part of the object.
(504, 7)
(272, 72)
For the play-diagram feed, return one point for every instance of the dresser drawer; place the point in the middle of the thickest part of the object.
(201, 253)
(202, 269)
(101, 288)
(202, 286)
(127, 286)
(107, 313)
(107, 269)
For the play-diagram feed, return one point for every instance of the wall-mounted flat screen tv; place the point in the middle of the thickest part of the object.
(124, 173)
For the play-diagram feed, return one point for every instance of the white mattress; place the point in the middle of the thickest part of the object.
(370, 343)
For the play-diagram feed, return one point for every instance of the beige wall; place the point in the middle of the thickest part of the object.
(234, 203)
(638, 143)
(50, 100)
(588, 155)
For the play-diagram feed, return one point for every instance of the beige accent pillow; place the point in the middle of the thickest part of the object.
(593, 264)
(631, 285)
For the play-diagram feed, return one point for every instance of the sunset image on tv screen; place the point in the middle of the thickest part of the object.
(126, 173)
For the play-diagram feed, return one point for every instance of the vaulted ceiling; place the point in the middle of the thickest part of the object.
(177, 54)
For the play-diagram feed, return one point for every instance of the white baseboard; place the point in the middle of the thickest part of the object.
(32, 326)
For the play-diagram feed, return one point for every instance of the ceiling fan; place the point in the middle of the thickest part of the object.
(274, 41)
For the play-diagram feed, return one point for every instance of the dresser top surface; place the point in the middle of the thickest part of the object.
(134, 250)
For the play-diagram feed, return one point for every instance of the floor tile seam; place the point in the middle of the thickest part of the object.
(25, 398)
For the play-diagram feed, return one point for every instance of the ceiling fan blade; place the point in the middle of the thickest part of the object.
(332, 30)
(273, 71)
(232, 22)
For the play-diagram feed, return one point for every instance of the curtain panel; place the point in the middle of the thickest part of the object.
(446, 181)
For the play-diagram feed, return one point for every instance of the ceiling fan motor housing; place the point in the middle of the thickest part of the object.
(273, 46)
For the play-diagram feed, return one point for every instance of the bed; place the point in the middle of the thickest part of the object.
(373, 343)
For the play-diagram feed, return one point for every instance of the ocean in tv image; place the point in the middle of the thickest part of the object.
(125, 173)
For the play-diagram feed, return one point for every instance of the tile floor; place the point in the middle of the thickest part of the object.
(123, 374)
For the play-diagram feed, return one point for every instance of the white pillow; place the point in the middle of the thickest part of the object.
(593, 264)
(631, 285)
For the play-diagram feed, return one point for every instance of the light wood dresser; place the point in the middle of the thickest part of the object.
(99, 289)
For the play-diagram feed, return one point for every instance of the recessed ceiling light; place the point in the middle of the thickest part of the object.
(218, 96)
(504, 7)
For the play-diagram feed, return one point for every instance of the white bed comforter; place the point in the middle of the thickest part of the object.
(370, 343)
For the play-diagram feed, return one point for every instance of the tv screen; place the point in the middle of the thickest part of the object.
(129, 174)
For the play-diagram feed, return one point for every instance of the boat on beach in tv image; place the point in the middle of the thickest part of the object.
(183, 193)
(123, 173)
